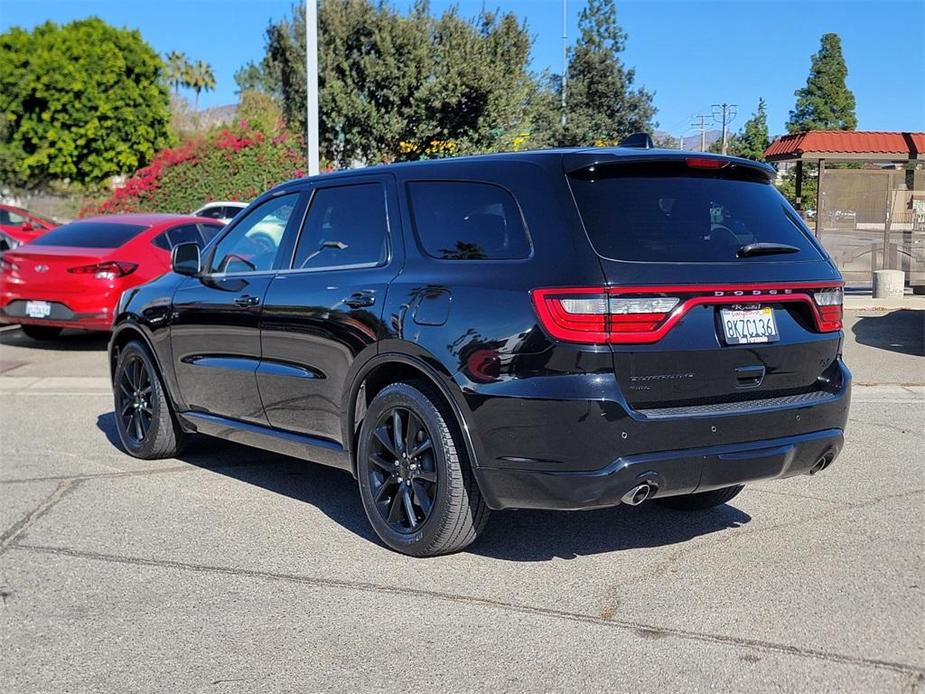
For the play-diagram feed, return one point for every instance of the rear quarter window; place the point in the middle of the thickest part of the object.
(679, 216)
(464, 220)
(90, 234)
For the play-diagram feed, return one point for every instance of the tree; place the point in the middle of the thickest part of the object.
(825, 103)
(83, 102)
(177, 70)
(753, 139)
(398, 85)
(601, 104)
(199, 77)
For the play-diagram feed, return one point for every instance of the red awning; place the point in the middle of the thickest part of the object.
(821, 144)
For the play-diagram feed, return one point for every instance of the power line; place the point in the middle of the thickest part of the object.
(724, 113)
(701, 125)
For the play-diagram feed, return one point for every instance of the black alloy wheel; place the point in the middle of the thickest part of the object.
(135, 399)
(402, 471)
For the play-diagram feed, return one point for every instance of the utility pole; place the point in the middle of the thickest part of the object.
(564, 54)
(701, 125)
(311, 84)
(724, 113)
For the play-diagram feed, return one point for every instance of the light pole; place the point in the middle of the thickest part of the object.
(311, 83)
(564, 54)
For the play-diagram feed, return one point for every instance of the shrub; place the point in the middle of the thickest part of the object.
(236, 163)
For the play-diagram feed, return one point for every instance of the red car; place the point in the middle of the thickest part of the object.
(19, 226)
(72, 276)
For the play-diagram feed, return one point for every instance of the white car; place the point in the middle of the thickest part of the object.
(222, 210)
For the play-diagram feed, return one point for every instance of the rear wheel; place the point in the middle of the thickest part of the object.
(701, 501)
(146, 425)
(415, 481)
(40, 332)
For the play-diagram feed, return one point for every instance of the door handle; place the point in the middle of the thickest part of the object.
(247, 300)
(360, 299)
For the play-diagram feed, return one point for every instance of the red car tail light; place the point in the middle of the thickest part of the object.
(830, 302)
(640, 315)
(594, 316)
(109, 270)
(7, 265)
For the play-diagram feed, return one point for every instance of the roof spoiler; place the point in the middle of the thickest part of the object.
(640, 140)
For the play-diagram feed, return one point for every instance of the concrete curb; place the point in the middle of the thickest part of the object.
(867, 303)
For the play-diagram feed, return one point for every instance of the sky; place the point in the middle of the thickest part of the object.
(690, 53)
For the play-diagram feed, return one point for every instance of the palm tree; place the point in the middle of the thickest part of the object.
(200, 78)
(177, 69)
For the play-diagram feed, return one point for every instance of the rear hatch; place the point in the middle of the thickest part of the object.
(716, 292)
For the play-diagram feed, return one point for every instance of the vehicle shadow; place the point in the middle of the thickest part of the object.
(68, 341)
(900, 331)
(510, 535)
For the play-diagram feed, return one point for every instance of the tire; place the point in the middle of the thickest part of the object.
(396, 494)
(145, 421)
(42, 333)
(701, 501)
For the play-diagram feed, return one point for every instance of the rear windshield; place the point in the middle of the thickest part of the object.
(680, 216)
(90, 234)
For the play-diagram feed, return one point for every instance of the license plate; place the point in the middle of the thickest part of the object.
(38, 309)
(749, 326)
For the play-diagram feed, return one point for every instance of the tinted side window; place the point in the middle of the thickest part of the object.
(251, 246)
(213, 212)
(90, 234)
(346, 225)
(209, 231)
(229, 212)
(458, 220)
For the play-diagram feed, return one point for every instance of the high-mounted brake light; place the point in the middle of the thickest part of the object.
(705, 163)
(639, 315)
(109, 270)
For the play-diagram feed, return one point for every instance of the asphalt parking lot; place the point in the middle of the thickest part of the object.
(234, 570)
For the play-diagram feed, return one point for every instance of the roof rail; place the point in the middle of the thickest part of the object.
(640, 140)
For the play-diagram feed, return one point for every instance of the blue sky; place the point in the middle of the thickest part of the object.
(690, 53)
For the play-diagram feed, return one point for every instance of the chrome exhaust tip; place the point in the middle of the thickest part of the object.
(637, 494)
(822, 463)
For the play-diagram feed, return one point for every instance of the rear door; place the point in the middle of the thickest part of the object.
(326, 308)
(215, 327)
(717, 292)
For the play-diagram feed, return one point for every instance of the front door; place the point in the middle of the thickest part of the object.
(215, 327)
(326, 308)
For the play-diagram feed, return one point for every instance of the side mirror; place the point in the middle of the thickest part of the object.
(27, 226)
(184, 259)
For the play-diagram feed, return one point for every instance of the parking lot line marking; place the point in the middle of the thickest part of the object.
(639, 628)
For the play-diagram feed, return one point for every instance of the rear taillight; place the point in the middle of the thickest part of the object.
(829, 302)
(109, 270)
(7, 265)
(594, 316)
(639, 315)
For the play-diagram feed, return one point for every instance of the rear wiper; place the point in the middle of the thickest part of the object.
(750, 249)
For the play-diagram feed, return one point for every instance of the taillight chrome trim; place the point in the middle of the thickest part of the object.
(569, 327)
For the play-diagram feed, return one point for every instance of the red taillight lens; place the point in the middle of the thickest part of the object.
(7, 265)
(595, 316)
(705, 163)
(829, 303)
(109, 270)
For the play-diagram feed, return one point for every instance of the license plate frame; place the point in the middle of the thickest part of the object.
(749, 326)
(38, 309)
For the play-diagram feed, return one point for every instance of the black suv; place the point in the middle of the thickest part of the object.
(562, 329)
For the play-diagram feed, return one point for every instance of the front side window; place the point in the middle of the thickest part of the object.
(200, 234)
(346, 225)
(216, 212)
(461, 220)
(252, 245)
(10, 217)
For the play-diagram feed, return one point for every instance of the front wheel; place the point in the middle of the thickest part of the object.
(146, 425)
(42, 333)
(415, 481)
(701, 501)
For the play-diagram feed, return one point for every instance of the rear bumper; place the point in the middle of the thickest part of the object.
(671, 472)
(62, 316)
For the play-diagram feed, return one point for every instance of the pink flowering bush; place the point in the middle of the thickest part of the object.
(232, 163)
